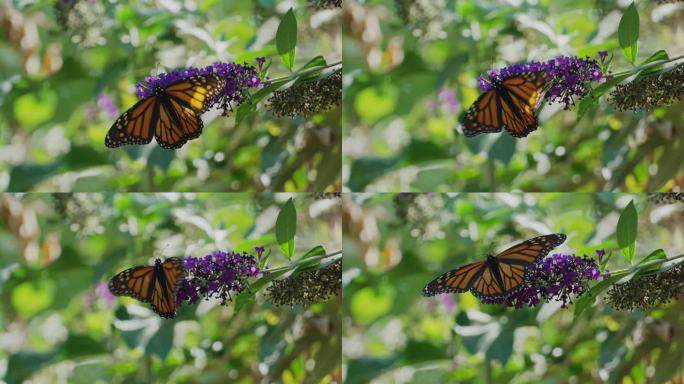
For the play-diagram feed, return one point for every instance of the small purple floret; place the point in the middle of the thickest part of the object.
(559, 277)
(216, 275)
(569, 77)
(237, 81)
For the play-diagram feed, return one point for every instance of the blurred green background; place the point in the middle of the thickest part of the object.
(395, 244)
(68, 68)
(57, 326)
(411, 69)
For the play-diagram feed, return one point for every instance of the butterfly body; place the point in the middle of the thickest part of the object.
(496, 276)
(510, 104)
(156, 284)
(171, 114)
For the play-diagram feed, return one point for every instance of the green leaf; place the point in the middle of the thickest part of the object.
(80, 157)
(604, 261)
(628, 32)
(82, 345)
(588, 298)
(626, 231)
(365, 170)
(25, 176)
(286, 228)
(264, 259)
(161, 158)
(22, 364)
(250, 106)
(631, 52)
(247, 296)
(315, 251)
(161, 342)
(286, 38)
(503, 149)
(658, 56)
(318, 61)
(658, 254)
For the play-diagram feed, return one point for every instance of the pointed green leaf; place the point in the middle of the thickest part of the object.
(628, 32)
(286, 38)
(626, 231)
(315, 251)
(286, 227)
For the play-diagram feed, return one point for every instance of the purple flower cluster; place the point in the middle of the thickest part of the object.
(216, 275)
(237, 81)
(106, 103)
(447, 98)
(558, 277)
(569, 77)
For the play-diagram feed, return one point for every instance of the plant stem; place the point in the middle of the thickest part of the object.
(642, 67)
(640, 266)
(304, 72)
(304, 261)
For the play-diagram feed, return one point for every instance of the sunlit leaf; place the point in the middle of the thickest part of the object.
(627, 231)
(286, 38)
(286, 228)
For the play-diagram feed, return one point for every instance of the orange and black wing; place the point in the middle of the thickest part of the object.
(134, 126)
(163, 298)
(484, 116)
(487, 285)
(171, 115)
(456, 280)
(523, 95)
(135, 282)
(531, 250)
(180, 108)
(156, 285)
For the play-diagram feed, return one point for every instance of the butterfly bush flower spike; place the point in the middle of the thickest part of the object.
(569, 77)
(559, 277)
(237, 80)
(219, 275)
(602, 56)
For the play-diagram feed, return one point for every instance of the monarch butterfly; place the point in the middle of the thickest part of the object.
(170, 114)
(156, 285)
(510, 104)
(497, 276)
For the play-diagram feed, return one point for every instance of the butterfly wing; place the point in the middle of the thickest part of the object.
(135, 125)
(512, 266)
(172, 116)
(456, 280)
(531, 250)
(134, 282)
(184, 101)
(524, 94)
(487, 285)
(156, 285)
(163, 298)
(511, 106)
(484, 116)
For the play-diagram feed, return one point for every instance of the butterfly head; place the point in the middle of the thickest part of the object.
(491, 260)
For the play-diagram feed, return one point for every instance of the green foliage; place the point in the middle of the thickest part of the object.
(628, 32)
(53, 308)
(53, 119)
(286, 228)
(397, 86)
(286, 38)
(627, 231)
(400, 335)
